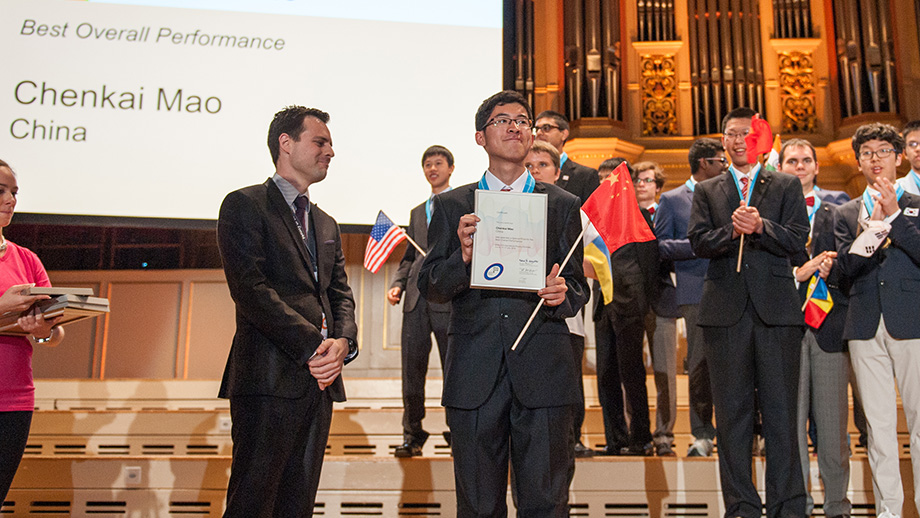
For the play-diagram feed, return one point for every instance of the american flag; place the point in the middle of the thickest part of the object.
(384, 237)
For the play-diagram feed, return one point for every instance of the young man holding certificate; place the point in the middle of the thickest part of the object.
(501, 403)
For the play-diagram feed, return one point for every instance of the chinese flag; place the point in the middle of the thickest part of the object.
(615, 213)
(759, 140)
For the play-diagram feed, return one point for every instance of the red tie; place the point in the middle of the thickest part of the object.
(744, 187)
(810, 201)
(651, 210)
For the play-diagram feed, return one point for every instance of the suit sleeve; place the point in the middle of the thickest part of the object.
(787, 236)
(671, 245)
(577, 292)
(906, 236)
(241, 239)
(444, 275)
(340, 296)
(707, 240)
(402, 273)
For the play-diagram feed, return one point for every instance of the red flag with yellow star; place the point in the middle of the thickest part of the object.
(615, 213)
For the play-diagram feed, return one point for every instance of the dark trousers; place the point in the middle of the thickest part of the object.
(578, 349)
(629, 329)
(278, 447)
(14, 433)
(700, 391)
(417, 327)
(609, 386)
(745, 357)
(538, 442)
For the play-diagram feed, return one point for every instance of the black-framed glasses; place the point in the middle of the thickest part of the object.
(645, 180)
(720, 159)
(545, 128)
(881, 154)
(505, 122)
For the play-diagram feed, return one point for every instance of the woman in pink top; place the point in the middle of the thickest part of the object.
(19, 269)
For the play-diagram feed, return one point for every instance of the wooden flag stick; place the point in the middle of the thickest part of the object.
(740, 251)
(542, 301)
(416, 246)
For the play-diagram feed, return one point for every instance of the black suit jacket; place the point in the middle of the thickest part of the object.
(766, 271)
(411, 263)
(279, 305)
(887, 282)
(578, 179)
(830, 334)
(635, 269)
(485, 323)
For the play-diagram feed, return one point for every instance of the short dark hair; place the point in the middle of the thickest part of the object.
(703, 148)
(557, 117)
(290, 121)
(910, 127)
(650, 166)
(738, 113)
(797, 142)
(612, 163)
(877, 131)
(500, 99)
(437, 150)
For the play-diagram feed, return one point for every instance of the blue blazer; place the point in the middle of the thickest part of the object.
(886, 283)
(671, 220)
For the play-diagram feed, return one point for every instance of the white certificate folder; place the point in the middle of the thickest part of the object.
(509, 246)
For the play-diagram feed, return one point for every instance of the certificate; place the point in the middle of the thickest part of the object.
(509, 245)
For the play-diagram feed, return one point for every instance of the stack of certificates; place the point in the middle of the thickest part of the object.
(71, 304)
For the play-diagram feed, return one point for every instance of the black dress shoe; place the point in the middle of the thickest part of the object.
(582, 451)
(640, 450)
(609, 451)
(664, 450)
(407, 449)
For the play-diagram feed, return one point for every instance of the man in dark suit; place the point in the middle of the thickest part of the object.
(707, 160)
(295, 323)
(553, 128)
(503, 403)
(883, 320)
(825, 364)
(619, 331)
(752, 322)
(420, 318)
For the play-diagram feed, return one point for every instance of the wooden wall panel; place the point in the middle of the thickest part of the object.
(143, 330)
(211, 323)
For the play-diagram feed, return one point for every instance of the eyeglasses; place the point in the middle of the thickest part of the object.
(546, 128)
(720, 159)
(881, 154)
(737, 136)
(505, 122)
(913, 144)
(645, 180)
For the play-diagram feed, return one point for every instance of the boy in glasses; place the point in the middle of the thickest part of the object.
(911, 134)
(878, 249)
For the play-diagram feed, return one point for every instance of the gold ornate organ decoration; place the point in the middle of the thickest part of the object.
(659, 95)
(797, 95)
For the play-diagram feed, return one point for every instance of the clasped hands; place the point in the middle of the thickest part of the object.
(821, 263)
(554, 292)
(886, 202)
(326, 363)
(746, 220)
